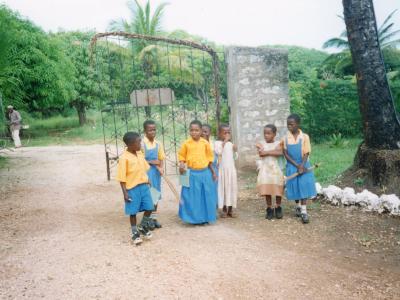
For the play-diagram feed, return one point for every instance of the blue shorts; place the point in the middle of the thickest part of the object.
(141, 200)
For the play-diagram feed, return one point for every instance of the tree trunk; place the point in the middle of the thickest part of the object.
(81, 110)
(377, 161)
(380, 124)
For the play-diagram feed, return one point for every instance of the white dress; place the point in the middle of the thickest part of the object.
(227, 176)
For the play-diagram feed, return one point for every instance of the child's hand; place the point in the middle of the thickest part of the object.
(301, 169)
(127, 198)
(156, 162)
(182, 168)
(215, 178)
(259, 147)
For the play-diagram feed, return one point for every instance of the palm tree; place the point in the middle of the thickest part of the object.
(379, 154)
(141, 22)
(385, 35)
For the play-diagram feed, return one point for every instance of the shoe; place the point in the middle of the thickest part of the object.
(305, 219)
(150, 224)
(270, 213)
(278, 212)
(156, 223)
(144, 230)
(136, 238)
(298, 211)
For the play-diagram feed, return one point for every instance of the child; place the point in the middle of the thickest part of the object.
(297, 148)
(227, 177)
(132, 175)
(206, 134)
(270, 177)
(198, 201)
(154, 155)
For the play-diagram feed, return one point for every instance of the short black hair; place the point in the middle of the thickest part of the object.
(207, 125)
(130, 137)
(196, 122)
(222, 126)
(147, 123)
(272, 127)
(295, 117)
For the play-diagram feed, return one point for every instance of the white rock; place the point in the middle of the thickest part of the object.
(366, 198)
(318, 187)
(333, 194)
(349, 196)
(391, 204)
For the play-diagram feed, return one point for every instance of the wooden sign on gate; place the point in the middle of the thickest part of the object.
(150, 97)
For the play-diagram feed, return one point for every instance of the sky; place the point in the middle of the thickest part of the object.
(305, 23)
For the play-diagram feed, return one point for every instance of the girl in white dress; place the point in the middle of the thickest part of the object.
(227, 176)
(270, 181)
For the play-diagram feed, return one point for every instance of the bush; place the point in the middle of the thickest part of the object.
(331, 107)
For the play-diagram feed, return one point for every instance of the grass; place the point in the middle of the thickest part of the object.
(334, 160)
(3, 162)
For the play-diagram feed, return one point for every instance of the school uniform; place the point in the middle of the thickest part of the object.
(153, 151)
(302, 186)
(199, 200)
(132, 169)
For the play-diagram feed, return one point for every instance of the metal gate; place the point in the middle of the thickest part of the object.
(169, 81)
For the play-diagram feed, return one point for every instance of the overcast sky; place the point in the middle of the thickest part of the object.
(251, 22)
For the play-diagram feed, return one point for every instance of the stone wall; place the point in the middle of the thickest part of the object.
(258, 93)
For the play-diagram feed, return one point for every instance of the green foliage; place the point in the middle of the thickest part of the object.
(331, 107)
(338, 141)
(38, 75)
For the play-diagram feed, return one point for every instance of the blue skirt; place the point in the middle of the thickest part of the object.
(302, 186)
(198, 202)
(141, 200)
(155, 178)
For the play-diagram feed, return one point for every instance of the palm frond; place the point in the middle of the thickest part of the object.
(147, 16)
(385, 31)
(343, 34)
(119, 25)
(392, 44)
(388, 18)
(337, 43)
(155, 25)
(388, 37)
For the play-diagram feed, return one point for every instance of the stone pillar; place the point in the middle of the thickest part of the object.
(258, 94)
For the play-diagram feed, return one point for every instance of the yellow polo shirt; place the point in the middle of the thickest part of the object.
(196, 154)
(132, 169)
(152, 145)
(305, 146)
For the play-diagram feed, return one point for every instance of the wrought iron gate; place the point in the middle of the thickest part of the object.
(169, 81)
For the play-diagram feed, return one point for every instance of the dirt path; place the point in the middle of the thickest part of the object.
(64, 236)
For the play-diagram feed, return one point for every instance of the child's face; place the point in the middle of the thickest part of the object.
(195, 131)
(292, 126)
(269, 135)
(224, 133)
(135, 145)
(206, 133)
(150, 131)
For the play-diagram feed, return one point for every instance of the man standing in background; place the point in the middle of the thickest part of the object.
(15, 125)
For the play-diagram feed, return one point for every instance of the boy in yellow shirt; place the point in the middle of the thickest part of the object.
(132, 175)
(199, 199)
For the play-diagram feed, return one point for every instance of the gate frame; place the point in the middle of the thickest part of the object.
(194, 45)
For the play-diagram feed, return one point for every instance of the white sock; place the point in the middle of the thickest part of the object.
(304, 209)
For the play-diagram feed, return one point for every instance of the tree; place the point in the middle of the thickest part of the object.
(340, 64)
(142, 22)
(386, 36)
(37, 76)
(379, 155)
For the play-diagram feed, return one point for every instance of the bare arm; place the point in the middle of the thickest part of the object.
(210, 166)
(125, 192)
(275, 152)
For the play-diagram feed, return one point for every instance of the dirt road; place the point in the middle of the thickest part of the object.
(64, 236)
